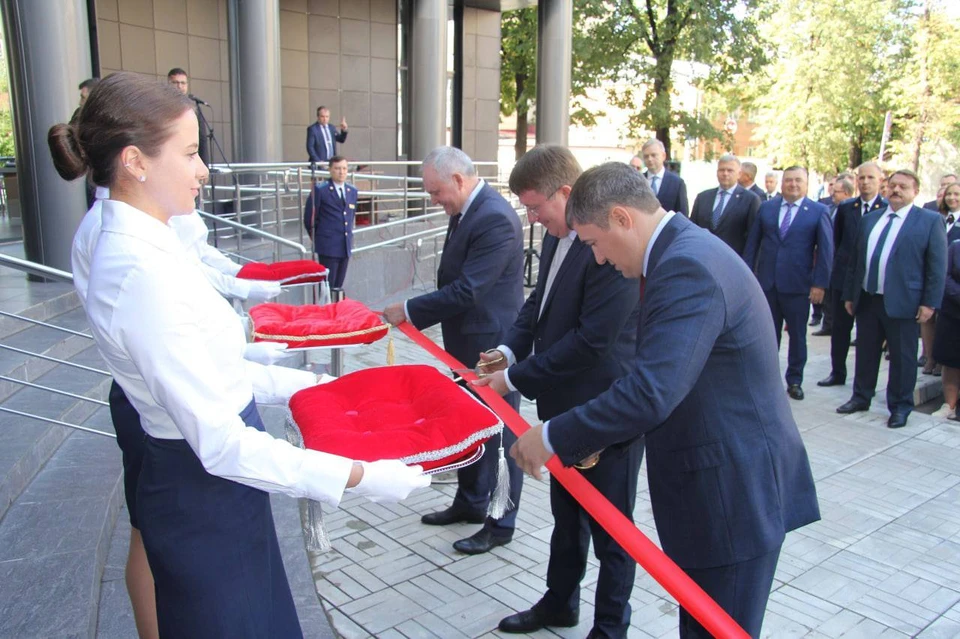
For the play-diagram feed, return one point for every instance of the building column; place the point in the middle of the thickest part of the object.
(428, 77)
(554, 60)
(48, 48)
(255, 72)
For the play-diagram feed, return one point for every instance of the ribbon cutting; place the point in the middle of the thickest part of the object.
(687, 593)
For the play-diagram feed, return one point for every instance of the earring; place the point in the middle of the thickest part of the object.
(142, 178)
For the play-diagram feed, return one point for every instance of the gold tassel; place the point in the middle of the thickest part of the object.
(391, 354)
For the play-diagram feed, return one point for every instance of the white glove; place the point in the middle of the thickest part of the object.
(390, 480)
(323, 378)
(266, 353)
(261, 291)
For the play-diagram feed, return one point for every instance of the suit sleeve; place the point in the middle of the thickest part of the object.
(684, 316)
(752, 248)
(309, 214)
(608, 301)
(520, 337)
(821, 270)
(753, 214)
(340, 136)
(682, 199)
(850, 283)
(935, 268)
(312, 145)
(489, 252)
(695, 213)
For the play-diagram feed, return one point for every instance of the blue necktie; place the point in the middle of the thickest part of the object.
(785, 225)
(718, 209)
(873, 275)
(655, 185)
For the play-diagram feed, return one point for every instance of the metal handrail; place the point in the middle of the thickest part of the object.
(57, 422)
(255, 231)
(33, 268)
(45, 324)
(55, 360)
(53, 390)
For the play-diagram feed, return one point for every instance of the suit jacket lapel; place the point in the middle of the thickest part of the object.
(676, 224)
(572, 253)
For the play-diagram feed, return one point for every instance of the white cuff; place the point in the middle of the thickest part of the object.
(506, 380)
(511, 358)
(545, 436)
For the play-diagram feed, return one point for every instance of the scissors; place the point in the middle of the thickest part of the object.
(478, 369)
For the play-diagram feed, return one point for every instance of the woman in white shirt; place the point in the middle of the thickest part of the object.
(176, 349)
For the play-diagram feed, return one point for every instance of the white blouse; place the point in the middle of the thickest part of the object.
(176, 348)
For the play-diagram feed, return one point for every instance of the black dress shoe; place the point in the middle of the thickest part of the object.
(794, 391)
(832, 380)
(822, 332)
(897, 420)
(453, 515)
(814, 321)
(480, 542)
(533, 620)
(853, 406)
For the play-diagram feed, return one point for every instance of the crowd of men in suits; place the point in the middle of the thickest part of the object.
(863, 253)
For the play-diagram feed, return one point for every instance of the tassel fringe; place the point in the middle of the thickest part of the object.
(500, 501)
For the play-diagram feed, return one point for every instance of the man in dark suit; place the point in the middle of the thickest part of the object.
(791, 250)
(729, 210)
(945, 181)
(894, 284)
(479, 293)
(178, 78)
(747, 179)
(575, 335)
(770, 183)
(727, 469)
(843, 189)
(322, 137)
(668, 187)
(845, 223)
(329, 217)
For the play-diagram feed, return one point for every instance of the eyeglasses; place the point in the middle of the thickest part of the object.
(534, 211)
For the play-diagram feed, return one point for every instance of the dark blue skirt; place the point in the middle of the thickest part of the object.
(132, 440)
(212, 547)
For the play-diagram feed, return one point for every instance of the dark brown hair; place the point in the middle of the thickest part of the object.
(544, 169)
(335, 159)
(123, 110)
(907, 173)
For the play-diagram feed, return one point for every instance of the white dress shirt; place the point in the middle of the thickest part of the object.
(659, 176)
(726, 199)
(794, 209)
(176, 348)
(887, 243)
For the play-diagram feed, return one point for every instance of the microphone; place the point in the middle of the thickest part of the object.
(196, 99)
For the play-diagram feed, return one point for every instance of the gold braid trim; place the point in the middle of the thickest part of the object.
(320, 338)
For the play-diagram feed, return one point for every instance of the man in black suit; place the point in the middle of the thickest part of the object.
(843, 189)
(845, 223)
(945, 181)
(729, 210)
(178, 78)
(479, 292)
(322, 137)
(668, 187)
(747, 179)
(770, 183)
(726, 466)
(894, 284)
(575, 335)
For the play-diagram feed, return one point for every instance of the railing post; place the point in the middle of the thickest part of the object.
(279, 216)
(300, 204)
(237, 208)
(336, 354)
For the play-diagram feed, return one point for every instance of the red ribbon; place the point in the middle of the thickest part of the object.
(687, 593)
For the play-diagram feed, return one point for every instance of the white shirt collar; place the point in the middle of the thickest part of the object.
(870, 201)
(653, 239)
(663, 170)
(473, 196)
(901, 212)
(123, 219)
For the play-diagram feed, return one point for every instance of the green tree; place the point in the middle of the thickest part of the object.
(518, 69)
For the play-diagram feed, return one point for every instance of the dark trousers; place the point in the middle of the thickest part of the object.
(874, 326)
(337, 267)
(840, 335)
(817, 312)
(476, 483)
(827, 307)
(741, 589)
(615, 476)
(794, 308)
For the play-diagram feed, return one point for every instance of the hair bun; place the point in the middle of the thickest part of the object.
(69, 158)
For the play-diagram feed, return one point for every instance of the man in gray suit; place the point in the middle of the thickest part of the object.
(729, 210)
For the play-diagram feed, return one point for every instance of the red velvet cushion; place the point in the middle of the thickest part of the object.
(345, 322)
(292, 272)
(412, 413)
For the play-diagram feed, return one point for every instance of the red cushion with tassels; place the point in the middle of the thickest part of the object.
(412, 413)
(340, 324)
(290, 272)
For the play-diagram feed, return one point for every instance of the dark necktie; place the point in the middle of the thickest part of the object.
(340, 193)
(873, 275)
(950, 220)
(866, 207)
(785, 225)
(454, 223)
(718, 209)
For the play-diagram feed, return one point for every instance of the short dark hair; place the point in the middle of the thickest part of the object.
(175, 71)
(336, 158)
(544, 169)
(601, 188)
(89, 83)
(797, 167)
(123, 110)
(321, 108)
(910, 174)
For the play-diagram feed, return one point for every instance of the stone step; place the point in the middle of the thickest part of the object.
(55, 536)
